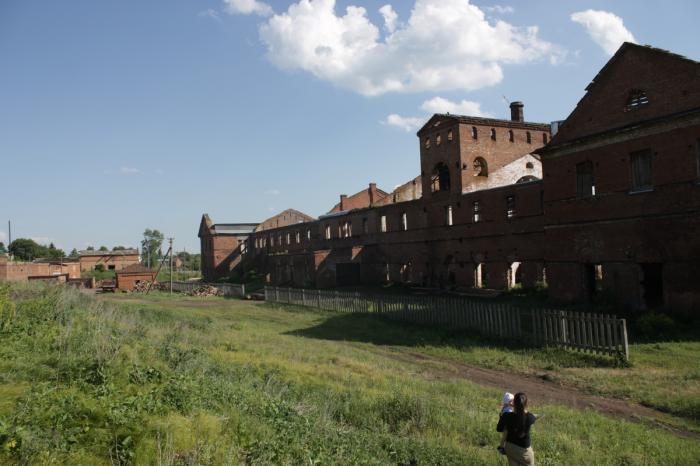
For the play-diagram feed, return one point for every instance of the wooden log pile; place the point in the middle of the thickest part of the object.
(206, 290)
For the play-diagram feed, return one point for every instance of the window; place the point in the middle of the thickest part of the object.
(349, 229)
(478, 277)
(585, 187)
(244, 247)
(476, 211)
(328, 232)
(346, 230)
(475, 132)
(365, 226)
(298, 237)
(493, 134)
(544, 138)
(449, 136)
(641, 170)
(636, 99)
(272, 241)
(404, 221)
(440, 179)
(289, 238)
(382, 223)
(481, 168)
(438, 139)
(308, 234)
(448, 215)
(511, 136)
(529, 165)
(510, 206)
(111, 267)
(528, 136)
(427, 143)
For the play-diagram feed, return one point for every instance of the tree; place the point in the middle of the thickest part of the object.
(90, 248)
(74, 254)
(52, 252)
(119, 248)
(103, 248)
(25, 249)
(3, 250)
(150, 246)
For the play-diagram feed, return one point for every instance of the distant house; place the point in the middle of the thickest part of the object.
(129, 277)
(110, 260)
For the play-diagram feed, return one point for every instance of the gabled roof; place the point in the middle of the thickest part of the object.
(438, 118)
(670, 84)
(208, 228)
(123, 252)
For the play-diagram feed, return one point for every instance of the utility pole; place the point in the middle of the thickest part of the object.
(170, 240)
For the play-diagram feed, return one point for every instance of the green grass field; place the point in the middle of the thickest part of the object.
(167, 380)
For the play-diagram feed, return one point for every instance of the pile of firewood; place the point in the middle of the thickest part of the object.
(206, 290)
(142, 287)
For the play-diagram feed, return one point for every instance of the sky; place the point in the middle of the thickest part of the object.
(125, 115)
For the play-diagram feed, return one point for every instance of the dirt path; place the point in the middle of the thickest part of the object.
(539, 389)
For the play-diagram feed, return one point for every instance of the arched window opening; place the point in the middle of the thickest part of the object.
(438, 139)
(481, 168)
(493, 134)
(440, 179)
(511, 136)
(529, 137)
(475, 132)
(529, 166)
(544, 138)
(527, 179)
(449, 135)
(427, 143)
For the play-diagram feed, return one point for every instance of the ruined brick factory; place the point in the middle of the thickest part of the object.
(607, 201)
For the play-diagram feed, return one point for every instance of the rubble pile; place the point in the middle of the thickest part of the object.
(142, 287)
(206, 290)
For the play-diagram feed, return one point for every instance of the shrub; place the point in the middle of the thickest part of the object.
(655, 324)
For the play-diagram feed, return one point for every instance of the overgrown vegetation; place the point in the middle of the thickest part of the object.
(185, 381)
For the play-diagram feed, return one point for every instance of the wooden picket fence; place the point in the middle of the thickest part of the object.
(594, 333)
(229, 289)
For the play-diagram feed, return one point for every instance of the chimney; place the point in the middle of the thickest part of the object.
(372, 193)
(343, 198)
(516, 111)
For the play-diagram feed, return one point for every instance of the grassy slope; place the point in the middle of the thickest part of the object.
(192, 381)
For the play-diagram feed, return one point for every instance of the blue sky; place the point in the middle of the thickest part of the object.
(125, 115)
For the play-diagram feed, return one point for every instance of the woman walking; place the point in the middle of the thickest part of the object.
(517, 426)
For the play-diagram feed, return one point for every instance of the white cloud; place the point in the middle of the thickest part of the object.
(247, 7)
(500, 9)
(405, 123)
(390, 18)
(465, 107)
(605, 28)
(129, 170)
(209, 13)
(444, 45)
(273, 192)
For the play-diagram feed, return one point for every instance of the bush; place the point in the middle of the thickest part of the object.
(655, 324)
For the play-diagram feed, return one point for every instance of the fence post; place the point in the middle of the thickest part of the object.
(277, 294)
(623, 322)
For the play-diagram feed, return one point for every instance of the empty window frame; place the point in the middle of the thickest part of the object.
(404, 221)
(640, 164)
(448, 215)
(475, 133)
(365, 226)
(528, 137)
(511, 136)
(382, 223)
(481, 168)
(476, 211)
(427, 143)
(493, 134)
(510, 206)
(438, 139)
(449, 136)
(636, 99)
(585, 186)
(308, 234)
(297, 237)
(440, 178)
(328, 232)
(272, 241)
(289, 238)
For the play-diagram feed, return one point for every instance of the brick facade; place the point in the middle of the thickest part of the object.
(21, 271)
(110, 260)
(639, 120)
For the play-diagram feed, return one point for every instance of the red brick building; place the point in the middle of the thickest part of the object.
(617, 210)
(130, 276)
(109, 260)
